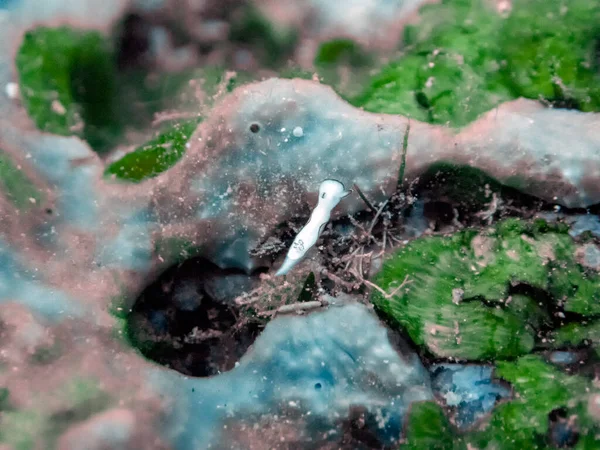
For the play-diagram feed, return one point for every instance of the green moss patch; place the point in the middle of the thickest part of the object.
(463, 300)
(463, 58)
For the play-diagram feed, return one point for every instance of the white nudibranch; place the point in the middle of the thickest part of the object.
(331, 192)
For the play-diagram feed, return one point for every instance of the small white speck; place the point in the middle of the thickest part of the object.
(12, 90)
(298, 132)
(282, 130)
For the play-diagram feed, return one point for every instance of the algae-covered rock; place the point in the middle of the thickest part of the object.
(464, 58)
(540, 389)
(575, 334)
(549, 51)
(442, 307)
(580, 291)
(67, 83)
(466, 296)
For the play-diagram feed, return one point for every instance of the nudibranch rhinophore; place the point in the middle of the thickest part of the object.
(331, 192)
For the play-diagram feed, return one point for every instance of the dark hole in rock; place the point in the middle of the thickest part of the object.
(188, 319)
(562, 429)
(255, 128)
(439, 212)
(470, 190)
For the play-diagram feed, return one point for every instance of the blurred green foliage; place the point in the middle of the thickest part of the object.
(68, 86)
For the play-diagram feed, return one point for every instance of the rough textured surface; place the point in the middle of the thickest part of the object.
(309, 372)
(78, 246)
(463, 300)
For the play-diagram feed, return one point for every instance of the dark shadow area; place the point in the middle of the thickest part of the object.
(471, 190)
(187, 319)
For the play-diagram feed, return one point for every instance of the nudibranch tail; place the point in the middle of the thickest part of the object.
(287, 265)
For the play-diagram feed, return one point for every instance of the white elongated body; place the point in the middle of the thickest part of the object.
(331, 192)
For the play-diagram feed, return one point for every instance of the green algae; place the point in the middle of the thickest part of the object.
(575, 334)
(18, 188)
(551, 51)
(70, 86)
(67, 82)
(539, 388)
(463, 300)
(579, 290)
(463, 59)
(428, 428)
(460, 285)
(155, 156)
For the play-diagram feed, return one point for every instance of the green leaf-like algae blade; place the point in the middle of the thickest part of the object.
(67, 80)
(155, 156)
